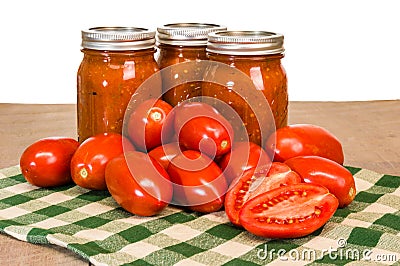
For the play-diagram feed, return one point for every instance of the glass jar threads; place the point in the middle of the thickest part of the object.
(258, 54)
(116, 61)
(178, 43)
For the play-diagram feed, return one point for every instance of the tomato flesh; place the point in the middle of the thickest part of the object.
(289, 211)
(253, 183)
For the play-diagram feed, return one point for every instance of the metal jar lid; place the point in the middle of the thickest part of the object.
(118, 38)
(245, 43)
(186, 34)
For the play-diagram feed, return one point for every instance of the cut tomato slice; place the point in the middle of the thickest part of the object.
(288, 212)
(253, 183)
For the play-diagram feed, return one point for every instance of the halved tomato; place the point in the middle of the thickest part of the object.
(337, 179)
(253, 183)
(288, 212)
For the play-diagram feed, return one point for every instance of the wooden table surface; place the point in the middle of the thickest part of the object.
(369, 132)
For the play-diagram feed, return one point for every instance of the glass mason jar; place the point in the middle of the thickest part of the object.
(178, 43)
(116, 61)
(258, 54)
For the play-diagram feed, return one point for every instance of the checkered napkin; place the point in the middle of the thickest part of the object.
(91, 224)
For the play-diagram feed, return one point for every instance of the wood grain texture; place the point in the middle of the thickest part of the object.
(369, 132)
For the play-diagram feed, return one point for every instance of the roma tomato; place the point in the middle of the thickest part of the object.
(253, 183)
(45, 163)
(148, 122)
(198, 182)
(200, 127)
(289, 211)
(304, 139)
(89, 161)
(337, 179)
(242, 157)
(165, 153)
(138, 183)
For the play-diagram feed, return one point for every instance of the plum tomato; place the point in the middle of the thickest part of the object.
(45, 163)
(336, 178)
(253, 183)
(242, 157)
(138, 183)
(198, 182)
(165, 153)
(304, 139)
(89, 161)
(148, 122)
(289, 211)
(201, 127)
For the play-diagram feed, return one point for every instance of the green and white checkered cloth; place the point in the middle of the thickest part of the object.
(91, 224)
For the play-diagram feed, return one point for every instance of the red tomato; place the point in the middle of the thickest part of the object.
(198, 182)
(45, 163)
(148, 122)
(337, 179)
(242, 157)
(200, 127)
(138, 183)
(253, 183)
(89, 161)
(304, 139)
(165, 153)
(288, 212)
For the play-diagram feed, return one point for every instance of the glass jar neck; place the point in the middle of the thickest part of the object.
(144, 52)
(232, 57)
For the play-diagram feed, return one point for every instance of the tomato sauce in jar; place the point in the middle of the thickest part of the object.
(179, 43)
(116, 61)
(258, 55)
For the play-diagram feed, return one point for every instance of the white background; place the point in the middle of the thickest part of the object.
(335, 50)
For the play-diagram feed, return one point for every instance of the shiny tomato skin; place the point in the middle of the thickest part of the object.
(165, 153)
(148, 122)
(242, 157)
(304, 139)
(45, 163)
(126, 177)
(336, 178)
(199, 183)
(90, 159)
(288, 212)
(253, 183)
(201, 127)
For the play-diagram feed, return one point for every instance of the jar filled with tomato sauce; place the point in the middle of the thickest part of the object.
(257, 54)
(116, 61)
(179, 43)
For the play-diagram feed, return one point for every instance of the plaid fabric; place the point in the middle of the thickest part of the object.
(91, 224)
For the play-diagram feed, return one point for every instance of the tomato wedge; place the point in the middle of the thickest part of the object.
(288, 212)
(253, 183)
